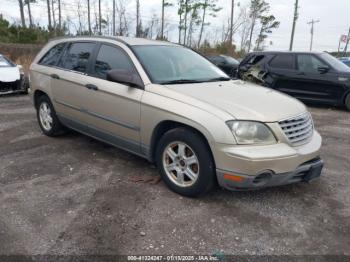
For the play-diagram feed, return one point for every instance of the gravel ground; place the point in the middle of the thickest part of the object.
(75, 195)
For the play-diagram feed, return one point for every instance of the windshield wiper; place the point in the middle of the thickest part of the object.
(221, 78)
(181, 81)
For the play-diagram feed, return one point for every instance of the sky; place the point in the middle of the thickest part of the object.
(333, 16)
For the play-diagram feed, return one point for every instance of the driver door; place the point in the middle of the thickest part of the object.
(312, 84)
(113, 108)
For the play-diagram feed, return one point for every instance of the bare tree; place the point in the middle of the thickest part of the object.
(195, 20)
(186, 10)
(267, 24)
(207, 5)
(257, 8)
(138, 18)
(113, 27)
(99, 17)
(49, 14)
(89, 17)
(180, 12)
(21, 9)
(53, 13)
(28, 2)
(123, 24)
(59, 15)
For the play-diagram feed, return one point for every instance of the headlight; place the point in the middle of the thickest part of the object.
(247, 132)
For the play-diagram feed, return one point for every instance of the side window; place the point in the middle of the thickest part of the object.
(283, 61)
(309, 63)
(109, 58)
(255, 60)
(77, 56)
(52, 56)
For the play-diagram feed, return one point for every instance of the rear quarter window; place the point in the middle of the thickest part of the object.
(283, 61)
(52, 56)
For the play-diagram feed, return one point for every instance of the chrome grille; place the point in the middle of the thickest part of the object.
(298, 129)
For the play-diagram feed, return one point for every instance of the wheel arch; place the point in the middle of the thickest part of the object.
(167, 125)
(36, 96)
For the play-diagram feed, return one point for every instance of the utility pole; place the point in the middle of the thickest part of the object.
(113, 18)
(296, 16)
(347, 43)
(231, 23)
(312, 23)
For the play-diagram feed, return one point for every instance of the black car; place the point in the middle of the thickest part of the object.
(226, 63)
(311, 77)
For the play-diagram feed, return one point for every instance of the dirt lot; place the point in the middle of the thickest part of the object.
(75, 195)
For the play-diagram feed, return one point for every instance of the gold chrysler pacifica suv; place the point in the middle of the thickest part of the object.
(170, 105)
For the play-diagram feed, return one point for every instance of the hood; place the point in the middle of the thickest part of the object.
(242, 100)
(9, 74)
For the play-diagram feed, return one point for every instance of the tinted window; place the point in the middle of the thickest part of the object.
(52, 56)
(283, 62)
(111, 58)
(255, 59)
(335, 63)
(309, 63)
(77, 56)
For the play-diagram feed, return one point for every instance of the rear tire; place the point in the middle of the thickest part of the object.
(347, 102)
(47, 118)
(185, 162)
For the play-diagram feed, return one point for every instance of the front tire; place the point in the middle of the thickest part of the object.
(47, 118)
(347, 102)
(185, 162)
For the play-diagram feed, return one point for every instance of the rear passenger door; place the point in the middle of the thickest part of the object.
(68, 85)
(114, 108)
(282, 71)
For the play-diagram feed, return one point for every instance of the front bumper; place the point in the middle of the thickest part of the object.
(249, 167)
(13, 87)
(304, 173)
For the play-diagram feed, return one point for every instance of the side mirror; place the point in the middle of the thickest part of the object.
(323, 69)
(124, 77)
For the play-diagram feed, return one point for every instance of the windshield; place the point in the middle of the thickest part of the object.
(4, 62)
(335, 63)
(175, 64)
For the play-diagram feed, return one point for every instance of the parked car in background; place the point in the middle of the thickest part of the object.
(170, 105)
(311, 77)
(226, 63)
(345, 60)
(12, 78)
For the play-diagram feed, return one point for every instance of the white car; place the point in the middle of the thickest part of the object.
(12, 78)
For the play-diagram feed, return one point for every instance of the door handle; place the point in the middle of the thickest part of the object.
(301, 74)
(91, 87)
(54, 76)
